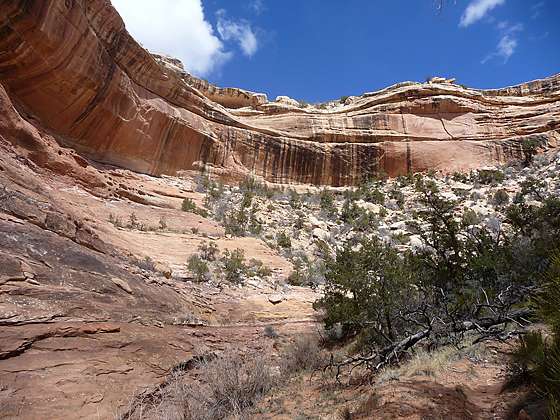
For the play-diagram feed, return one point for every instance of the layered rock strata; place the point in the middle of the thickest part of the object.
(72, 66)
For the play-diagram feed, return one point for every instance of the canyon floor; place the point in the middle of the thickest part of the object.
(97, 303)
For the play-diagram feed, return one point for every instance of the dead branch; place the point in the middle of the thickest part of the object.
(377, 360)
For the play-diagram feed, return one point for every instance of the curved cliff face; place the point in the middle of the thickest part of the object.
(71, 65)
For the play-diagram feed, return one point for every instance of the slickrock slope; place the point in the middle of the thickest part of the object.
(73, 67)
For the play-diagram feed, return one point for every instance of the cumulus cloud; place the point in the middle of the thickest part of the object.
(507, 44)
(478, 9)
(238, 31)
(178, 28)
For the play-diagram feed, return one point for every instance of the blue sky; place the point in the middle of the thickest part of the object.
(323, 49)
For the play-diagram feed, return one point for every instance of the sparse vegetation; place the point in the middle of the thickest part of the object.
(283, 240)
(233, 265)
(327, 202)
(501, 197)
(188, 205)
(301, 355)
(208, 251)
(490, 176)
(370, 286)
(227, 387)
(199, 268)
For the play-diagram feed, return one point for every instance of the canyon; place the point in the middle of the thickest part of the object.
(72, 66)
(101, 143)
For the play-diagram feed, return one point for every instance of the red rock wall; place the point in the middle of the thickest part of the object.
(72, 65)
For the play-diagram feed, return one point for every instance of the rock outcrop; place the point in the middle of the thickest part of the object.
(73, 66)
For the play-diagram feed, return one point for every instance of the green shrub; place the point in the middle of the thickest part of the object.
(373, 195)
(530, 148)
(300, 221)
(369, 284)
(295, 199)
(397, 195)
(256, 268)
(490, 176)
(238, 221)
(233, 265)
(189, 205)
(199, 268)
(534, 188)
(208, 251)
(460, 177)
(327, 202)
(470, 218)
(283, 240)
(501, 197)
(537, 358)
(296, 277)
(365, 285)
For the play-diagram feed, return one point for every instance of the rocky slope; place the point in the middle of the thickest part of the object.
(96, 299)
(72, 67)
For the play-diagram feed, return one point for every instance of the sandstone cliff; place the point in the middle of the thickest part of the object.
(73, 67)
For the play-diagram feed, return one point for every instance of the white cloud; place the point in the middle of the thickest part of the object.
(239, 31)
(477, 9)
(175, 27)
(537, 9)
(506, 47)
(507, 44)
(257, 6)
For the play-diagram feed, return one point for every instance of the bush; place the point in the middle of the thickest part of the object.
(397, 195)
(302, 355)
(460, 177)
(225, 387)
(364, 284)
(490, 176)
(256, 268)
(373, 195)
(235, 385)
(297, 276)
(283, 240)
(233, 265)
(327, 202)
(470, 218)
(295, 199)
(133, 221)
(147, 264)
(208, 251)
(533, 188)
(270, 332)
(199, 268)
(530, 148)
(238, 222)
(370, 285)
(501, 197)
(537, 358)
(189, 205)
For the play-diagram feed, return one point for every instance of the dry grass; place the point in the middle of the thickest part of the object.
(226, 387)
(422, 363)
(303, 354)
